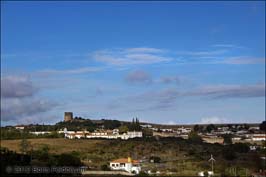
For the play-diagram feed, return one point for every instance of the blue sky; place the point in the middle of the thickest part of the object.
(163, 62)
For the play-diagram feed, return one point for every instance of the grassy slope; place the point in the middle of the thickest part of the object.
(176, 155)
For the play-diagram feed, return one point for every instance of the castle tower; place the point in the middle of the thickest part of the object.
(68, 116)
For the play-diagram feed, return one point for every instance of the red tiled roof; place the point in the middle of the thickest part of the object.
(124, 160)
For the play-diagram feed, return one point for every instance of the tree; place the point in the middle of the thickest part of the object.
(210, 128)
(197, 128)
(227, 139)
(194, 137)
(135, 125)
(241, 147)
(43, 153)
(123, 129)
(246, 126)
(147, 132)
(228, 153)
(111, 124)
(68, 160)
(24, 145)
(263, 126)
(105, 167)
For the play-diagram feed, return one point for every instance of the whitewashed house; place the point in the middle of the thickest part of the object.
(146, 126)
(74, 135)
(19, 127)
(107, 134)
(182, 130)
(126, 164)
(134, 134)
(40, 133)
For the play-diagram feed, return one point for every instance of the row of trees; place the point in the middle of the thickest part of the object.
(211, 127)
(19, 134)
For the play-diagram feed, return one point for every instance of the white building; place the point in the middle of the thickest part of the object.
(183, 130)
(258, 137)
(107, 134)
(134, 134)
(126, 164)
(166, 130)
(40, 133)
(71, 135)
(146, 126)
(19, 127)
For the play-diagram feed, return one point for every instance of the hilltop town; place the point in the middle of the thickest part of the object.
(79, 128)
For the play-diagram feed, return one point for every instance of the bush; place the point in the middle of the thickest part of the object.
(105, 167)
(194, 137)
(68, 160)
(228, 153)
(241, 147)
(155, 159)
(227, 139)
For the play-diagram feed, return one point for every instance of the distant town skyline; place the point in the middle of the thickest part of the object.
(163, 62)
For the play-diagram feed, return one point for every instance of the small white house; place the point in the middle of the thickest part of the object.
(19, 127)
(134, 134)
(74, 135)
(40, 133)
(126, 164)
(146, 126)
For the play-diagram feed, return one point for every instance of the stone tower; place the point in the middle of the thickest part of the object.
(68, 116)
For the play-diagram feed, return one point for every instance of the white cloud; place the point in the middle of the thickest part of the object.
(213, 120)
(206, 53)
(243, 60)
(70, 71)
(17, 86)
(170, 79)
(230, 91)
(144, 49)
(231, 46)
(19, 99)
(131, 56)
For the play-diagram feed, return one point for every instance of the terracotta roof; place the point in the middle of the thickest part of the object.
(75, 134)
(124, 160)
(258, 136)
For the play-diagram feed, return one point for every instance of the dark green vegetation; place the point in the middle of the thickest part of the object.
(12, 133)
(11, 161)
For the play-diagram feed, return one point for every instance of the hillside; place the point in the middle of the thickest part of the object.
(175, 154)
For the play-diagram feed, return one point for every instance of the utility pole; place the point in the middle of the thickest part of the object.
(212, 160)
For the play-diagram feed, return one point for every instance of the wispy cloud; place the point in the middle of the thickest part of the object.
(166, 98)
(170, 79)
(81, 70)
(138, 76)
(131, 56)
(242, 60)
(144, 49)
(229, 46)
(202, 53)
(230, 91)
